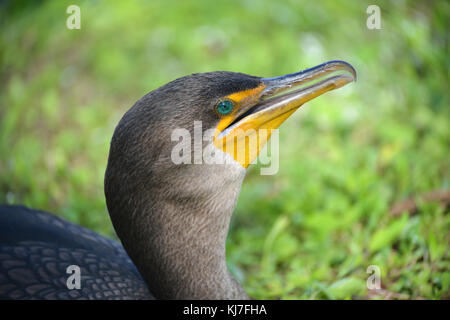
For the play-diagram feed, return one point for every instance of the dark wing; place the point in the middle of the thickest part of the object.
(37, 247)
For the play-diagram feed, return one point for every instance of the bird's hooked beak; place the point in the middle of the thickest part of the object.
(245, 131)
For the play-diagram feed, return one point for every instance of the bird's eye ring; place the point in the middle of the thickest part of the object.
(224, 107)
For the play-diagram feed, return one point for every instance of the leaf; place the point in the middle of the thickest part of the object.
(346, 288)
(386, 236)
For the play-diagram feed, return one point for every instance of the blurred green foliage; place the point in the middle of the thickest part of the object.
(311, 230)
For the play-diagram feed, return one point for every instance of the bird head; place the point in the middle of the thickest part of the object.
(159, 205)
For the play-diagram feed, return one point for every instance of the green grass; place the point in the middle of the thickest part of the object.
(310, 231)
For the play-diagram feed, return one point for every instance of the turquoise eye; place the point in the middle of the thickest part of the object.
(224, 107)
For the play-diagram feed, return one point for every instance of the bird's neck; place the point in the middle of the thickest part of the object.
(178, 244)
(187, 260)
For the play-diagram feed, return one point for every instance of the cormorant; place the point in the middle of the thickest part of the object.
(172, 219)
